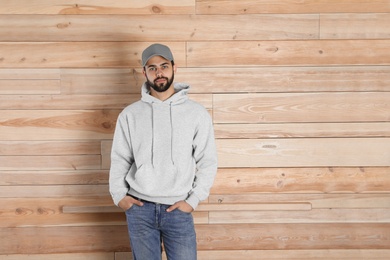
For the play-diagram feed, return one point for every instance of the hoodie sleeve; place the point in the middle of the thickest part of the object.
(205, 155)
(121, 160)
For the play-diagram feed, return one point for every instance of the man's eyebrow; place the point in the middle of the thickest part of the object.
(153, 65)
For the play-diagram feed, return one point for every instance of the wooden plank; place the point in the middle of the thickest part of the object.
(312, 216)
(290, 6)
(60, 239)
(44, 212)
(302, 107)
(67, 102)
(57, 124)
(54, 191)
(67, 256)
(293, 236)
(355, 26)
(142, 28)
(101, 81)
(33, 148)
(288, 53)
(313, 152)
(324, 254)
(334, 200)
(64, 162)
(29, 74)
(301, 180)
(33, 87)
(233, 80)
(106, 147)
(53, 177)
(68, 209)
(302, 130)
(79, 54)
(98, 7)
(209, 237)
(45, 218)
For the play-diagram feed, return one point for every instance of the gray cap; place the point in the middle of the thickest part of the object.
(156, 50)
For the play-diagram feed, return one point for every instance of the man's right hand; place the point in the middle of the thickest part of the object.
(128, 201)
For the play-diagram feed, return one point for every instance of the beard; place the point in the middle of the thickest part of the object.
(160, 87)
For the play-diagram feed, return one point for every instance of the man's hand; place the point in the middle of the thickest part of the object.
(128, 201)
(182, 206)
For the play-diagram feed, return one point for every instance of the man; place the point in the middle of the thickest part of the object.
(163, 162)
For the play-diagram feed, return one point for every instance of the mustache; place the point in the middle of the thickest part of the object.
(161, 78)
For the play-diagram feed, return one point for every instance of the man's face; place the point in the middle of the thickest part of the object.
(159, 74)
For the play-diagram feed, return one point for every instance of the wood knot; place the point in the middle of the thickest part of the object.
(107, 125)
(156, 9)
(23, 211)
(63, 25)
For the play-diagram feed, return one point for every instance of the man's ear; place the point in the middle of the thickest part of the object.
(174, 68)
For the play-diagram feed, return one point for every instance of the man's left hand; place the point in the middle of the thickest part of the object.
(182, 206)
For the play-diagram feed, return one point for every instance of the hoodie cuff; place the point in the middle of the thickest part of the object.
(117, 199)
(193, 201)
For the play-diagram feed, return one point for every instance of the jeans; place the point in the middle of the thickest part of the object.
(150, 226)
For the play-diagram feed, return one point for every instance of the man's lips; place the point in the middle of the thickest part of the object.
(160, 80)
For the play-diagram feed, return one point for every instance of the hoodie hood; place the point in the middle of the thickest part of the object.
(162, 123)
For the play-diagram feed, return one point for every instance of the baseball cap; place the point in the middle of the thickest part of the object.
(156, 50)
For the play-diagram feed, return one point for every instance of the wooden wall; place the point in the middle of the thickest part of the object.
(299, 92)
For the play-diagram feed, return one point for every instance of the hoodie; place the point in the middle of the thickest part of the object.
(163, 151)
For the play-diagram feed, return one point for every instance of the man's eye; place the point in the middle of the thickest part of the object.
(152, 69)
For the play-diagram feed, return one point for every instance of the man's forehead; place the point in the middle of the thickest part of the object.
(157, 61)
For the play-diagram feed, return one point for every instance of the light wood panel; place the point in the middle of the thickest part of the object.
(53, 177)
(78, 54)
(340, 254)
(291, 53)
(301, 180)
(355, 26)
(42, 162)
(221, 80)
(302, 130)
(357, 152)
(290, 6)
(326, 200)
(298, 91)
(308, 107)
(29, 87)
(97, 7)
(143, 28)
(74, 256)
(57, 124)
(210, 237)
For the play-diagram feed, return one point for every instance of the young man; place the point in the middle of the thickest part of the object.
(163, 162)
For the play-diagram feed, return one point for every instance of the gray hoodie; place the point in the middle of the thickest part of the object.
(163, 151)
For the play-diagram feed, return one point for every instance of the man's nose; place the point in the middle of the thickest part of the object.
(159, 72)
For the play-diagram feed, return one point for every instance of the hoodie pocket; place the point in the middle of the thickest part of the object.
(153, 181)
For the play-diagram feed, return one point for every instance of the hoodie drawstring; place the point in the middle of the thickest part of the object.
(171, 121)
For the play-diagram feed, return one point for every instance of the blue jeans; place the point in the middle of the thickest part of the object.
(150, 226)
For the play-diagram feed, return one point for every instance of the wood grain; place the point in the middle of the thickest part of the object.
(302, 108)
(232, 80)
(302, 180)
(299, 96)
(98, 7)
(315, 152)
(290, 6)
(142, 28)
(301, 130)
(78, 54)
(288, 53)
(355, 26)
